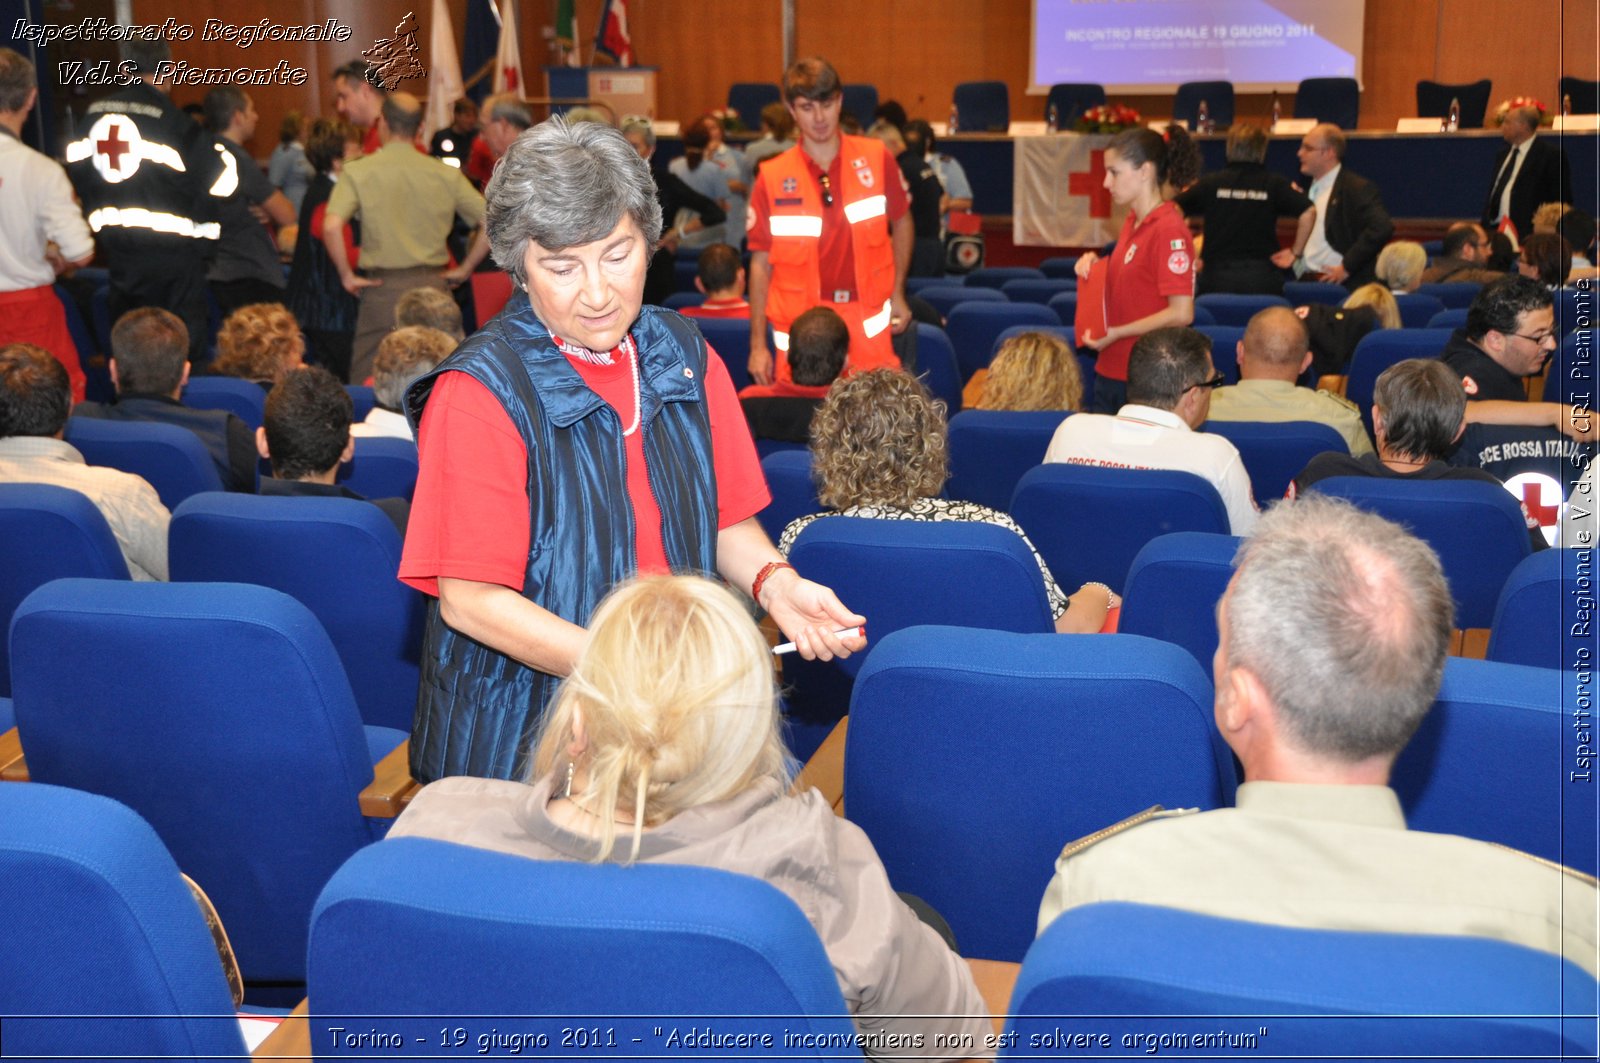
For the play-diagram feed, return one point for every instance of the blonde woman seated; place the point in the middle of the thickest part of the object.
(879, 449)
(1031, 371)
(664, 746)
(260, 342)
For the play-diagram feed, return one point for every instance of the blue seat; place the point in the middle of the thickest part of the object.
(221, 714)
(1173, 588)
(1455, 295)
(1144, 972)
(1571, 374)
(1202, 316)
(1071, 99)
(1477, 529)
(946, 297)
(171, 458)
(1433, 100)
(1237, 310)
(996, 276)
(1488, 762)
(1054, 729)
(794, 493)
(1065, 305)
(684, 273)
(937, 367)
(1032, 290)
(1225, 340)
(1065, 509)
(50, 533)
(983, 106)
(1433, 249)
(861, 101)
(1417, 310)
(730, 338)
(972, 328)
(1062, 266)
(748, 97)
(1538, 619)
(415, 929)
(383, 467)
(1336, 101)
(1216, 95)
(683, 300)
(1585, 94)
(991, 449)
(336, 556)
(1451, 319)
(107, 955)
(242, 398)
(1274, 454)
(362, 399)
(1377, 351)
(1304, 293)
(97, 379)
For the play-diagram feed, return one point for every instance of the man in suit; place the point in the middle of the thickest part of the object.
(1352, 225)
(1527, 172)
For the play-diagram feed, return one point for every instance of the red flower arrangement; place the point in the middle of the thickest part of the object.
(1108, 118)
(1507, 106)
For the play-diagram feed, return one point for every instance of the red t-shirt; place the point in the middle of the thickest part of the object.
(469, 517)
(836, 264)
(1152, 261)
(785, 389)
(721, 308)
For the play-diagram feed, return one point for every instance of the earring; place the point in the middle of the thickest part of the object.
(570, 767)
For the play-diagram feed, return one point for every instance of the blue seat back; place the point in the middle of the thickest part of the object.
(936, 366)
(1338, 993)
(242, 398)
(1452, 319)
(1225, 341)
(1065, 305)
(1377, 351)
(991, 449)
(172, 459)
(748, 97)
(983, 106)
(414, 929)
(1336, 101)
(683, 300)
(794, 492)
(972, 328)
(1274, 454)
(1056, 727)
(997, 276)
(220, 713)
(1418, 309)
(861, 101)
(1477, 529)
(1585, 94)
(103, 936)
(336, 556)
(1063, 266)
(1034, 290)
(1173, 588)
(1304, 293)
(49, 533)
(1433, 100)
(383, 467)
(1071, 99)
(1237, 310)
(947, 296)
(730, 338)
(1540, 618)
(362, 399)
(1089, 522)
(1216, 95)
(1455, 295)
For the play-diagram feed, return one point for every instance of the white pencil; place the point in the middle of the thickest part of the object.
(789, 647)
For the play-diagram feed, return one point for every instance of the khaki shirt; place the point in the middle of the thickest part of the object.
(1332, 858)
(407, 202)
(1277, 401)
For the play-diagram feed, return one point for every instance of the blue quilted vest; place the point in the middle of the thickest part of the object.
(477, 708)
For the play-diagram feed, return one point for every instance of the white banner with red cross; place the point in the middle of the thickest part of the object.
(1058, 192)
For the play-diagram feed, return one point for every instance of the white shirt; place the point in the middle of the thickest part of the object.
(382, 422)
(1143, 437)
(36, 205)
(1319, 254)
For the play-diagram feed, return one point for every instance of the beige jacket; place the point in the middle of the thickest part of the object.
(893, 970)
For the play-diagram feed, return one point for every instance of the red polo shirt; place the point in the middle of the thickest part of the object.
(1153, 259)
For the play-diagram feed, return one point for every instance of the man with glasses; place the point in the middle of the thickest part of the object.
(1352, 225)
(1510, 331)
(1463, 257)
(1170, 380)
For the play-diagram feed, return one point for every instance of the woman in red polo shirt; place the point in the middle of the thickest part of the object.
(1150, 275)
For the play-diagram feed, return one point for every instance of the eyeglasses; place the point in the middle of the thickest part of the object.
(827, 189)
(1541, 338)
(1215, 382)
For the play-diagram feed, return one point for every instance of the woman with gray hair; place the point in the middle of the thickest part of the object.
(576, 440)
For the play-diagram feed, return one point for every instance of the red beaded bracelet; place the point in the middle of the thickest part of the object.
(761, 577)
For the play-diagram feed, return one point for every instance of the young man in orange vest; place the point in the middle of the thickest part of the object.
(828, 224)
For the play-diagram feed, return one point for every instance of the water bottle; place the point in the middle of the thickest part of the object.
(1050, 124)
(955, 119)
(1277, 111)
(1566, 104)
(1454, 122)
(1203, 119)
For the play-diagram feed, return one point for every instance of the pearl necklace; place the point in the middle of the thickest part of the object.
(627, 347)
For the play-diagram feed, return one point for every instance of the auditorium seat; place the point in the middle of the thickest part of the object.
(49, 533)
(336, 556)
(171, 458)
(1148, 975)
(1065, 305)
(107, 954)
(1202, 316)
(383, 467)
(683, 300)
(749, 97)
(996, 276)
(1089, 521)
(1570, 375)
(242, 398)
(1377, 351)
(1450, 319)
(1062, 266)
(1304, 293)
(991, 449)
(730, 338)
(1032, 290)
(1274, 453)
(1173, 588)
(937, 367)
(419, 931)
(1585, 95)
(859, 100)
(983, 106)
(1225, 340)
(1333, 100)
(1237, 310)
(1071, 99)
(1417, 309)
(1455, 295)
(915, 285)
(362, 400)
(946, 297)
(221, 714)
(972, 328)
(1433, 100)
(972, 757)
(1540, 618)
(794, 493)
(1216, 95)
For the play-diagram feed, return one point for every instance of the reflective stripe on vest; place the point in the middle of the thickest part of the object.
(875, 324)
(796, 225)
(139, 218)
(865, 209)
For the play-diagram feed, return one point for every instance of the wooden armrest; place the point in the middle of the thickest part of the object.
(291, 1041)
(12, 767)
(825, 769)
(392, 785)
(996, 979)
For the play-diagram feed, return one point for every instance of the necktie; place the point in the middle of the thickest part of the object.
(1500, 182)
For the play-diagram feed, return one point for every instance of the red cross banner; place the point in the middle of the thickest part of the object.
(1058, 194)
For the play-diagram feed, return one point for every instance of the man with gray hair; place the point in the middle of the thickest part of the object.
(505, 118)
(1332, 639)
(407, 202)
(1528, 171)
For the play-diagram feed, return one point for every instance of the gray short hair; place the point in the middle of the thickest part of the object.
(633, 123)
(562, 185)
(1344, 617)
(17, 80)
(508, 107)
(1401, 263)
